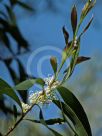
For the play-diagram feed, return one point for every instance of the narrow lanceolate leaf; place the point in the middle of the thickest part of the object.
(87, 26)
(82, 59)
(66, 35)
(53, 62)
(74, 110)
(25, 85)
(49, 121)
(11, 15)
(74, 18)
(88, 6)
(5, 88)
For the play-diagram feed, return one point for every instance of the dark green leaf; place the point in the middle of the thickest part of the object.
(66, 35)
(16, 34)
(49, 121)
(11, 15)
(7, 89)
(74, 18)
(53, 62)
(4, 23)
(75, 111)
(14, 31)
(22, 72)
(13, 75)
(4, 38)
(13, 2)
(82, 59)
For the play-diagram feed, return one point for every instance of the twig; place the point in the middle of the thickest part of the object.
(16, 124)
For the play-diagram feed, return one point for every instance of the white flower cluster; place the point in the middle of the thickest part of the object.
(25, 107)
(44, 96)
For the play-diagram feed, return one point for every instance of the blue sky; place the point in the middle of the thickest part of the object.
(45, 29)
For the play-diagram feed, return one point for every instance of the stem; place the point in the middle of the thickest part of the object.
(12, 128)
(17, 123)
(24, 114)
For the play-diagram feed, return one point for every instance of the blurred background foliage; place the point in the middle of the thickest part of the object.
(16, 44)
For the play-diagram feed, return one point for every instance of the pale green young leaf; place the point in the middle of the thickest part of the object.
(25, 85)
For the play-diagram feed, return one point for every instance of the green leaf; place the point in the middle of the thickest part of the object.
(74, 19)
(53, 62)
(13, 75)
(5, 88)
(82, 59)
(25, 85)
(15, 32)
(74, 110)
(4, 38)
(13, 2)
(22, 72)
(87, 26)
(49, 121)
(66, 35)
(11, 15)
